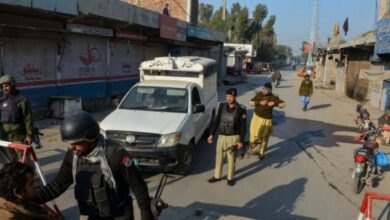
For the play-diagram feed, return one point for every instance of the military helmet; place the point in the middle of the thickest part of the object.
(80, 126)
(7, 79)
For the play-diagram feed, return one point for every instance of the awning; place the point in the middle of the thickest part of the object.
(374, 75)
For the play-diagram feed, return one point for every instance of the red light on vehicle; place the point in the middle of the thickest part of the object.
(360, 158)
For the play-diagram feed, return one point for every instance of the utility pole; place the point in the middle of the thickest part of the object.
(224, 10)
(313, 33)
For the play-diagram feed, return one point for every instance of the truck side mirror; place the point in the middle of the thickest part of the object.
(199, 108)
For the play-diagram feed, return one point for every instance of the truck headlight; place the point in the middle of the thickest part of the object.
(169, 140)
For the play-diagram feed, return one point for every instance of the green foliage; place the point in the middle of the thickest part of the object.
(239, 28)
(283, 52)
(205, 13)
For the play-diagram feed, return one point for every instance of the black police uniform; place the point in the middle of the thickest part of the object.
(95, 197)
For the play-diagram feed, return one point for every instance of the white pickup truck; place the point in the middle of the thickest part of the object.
(164, 116)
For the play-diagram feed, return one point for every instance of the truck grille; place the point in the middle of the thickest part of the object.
(132, 139)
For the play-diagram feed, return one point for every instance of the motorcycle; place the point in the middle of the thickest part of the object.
(365, 169)
(362, 120)
(365, 125)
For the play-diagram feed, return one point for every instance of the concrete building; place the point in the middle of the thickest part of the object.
(186, 10)
(89, 49)
(382, 51)
(238, 55)
(358, 53)
(332, 63)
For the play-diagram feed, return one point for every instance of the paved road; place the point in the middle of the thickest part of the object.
(306, 174)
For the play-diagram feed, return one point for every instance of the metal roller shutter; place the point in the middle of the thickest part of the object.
(84, 68)
(29, 60)
(84, 56)
(125, 58)
(155, 50)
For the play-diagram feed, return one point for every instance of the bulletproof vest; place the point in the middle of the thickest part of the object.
(9, 112)
(95, 197)
(228, 125)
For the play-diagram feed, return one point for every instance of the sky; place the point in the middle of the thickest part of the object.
(294, 17)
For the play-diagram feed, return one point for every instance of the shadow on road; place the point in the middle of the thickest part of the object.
(306, 134)
(320, 106)
(312, 132)
(278, 203)
(282, 87)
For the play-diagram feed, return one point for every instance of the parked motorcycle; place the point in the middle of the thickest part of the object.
(365, 169)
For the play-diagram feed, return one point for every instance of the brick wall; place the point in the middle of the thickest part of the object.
(177, 8)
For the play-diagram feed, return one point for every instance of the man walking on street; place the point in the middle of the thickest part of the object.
(103, 174)
(261, 123)
(231, 122)
(305, 91)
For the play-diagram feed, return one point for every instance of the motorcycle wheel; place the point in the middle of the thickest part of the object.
(358, 182)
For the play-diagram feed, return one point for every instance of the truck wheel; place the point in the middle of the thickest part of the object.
(186, 159)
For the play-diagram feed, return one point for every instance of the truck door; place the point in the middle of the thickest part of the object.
(198, 117)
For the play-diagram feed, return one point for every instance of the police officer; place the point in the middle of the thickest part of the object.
(231, 122)
(103, 174)
(16, 115)
(261, 124)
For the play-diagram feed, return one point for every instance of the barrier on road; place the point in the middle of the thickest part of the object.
(366, 208)
(28, 155)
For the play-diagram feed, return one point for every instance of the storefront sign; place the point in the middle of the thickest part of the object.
(130, 35)
(181, 30)
(83, 29)
(205, 34)
(168, 27)
(146, 18)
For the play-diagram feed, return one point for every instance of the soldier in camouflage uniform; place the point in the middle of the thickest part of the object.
(16, 119)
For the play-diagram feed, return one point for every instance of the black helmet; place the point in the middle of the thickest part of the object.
(80, 126)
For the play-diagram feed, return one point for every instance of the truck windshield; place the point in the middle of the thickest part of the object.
(156, 99)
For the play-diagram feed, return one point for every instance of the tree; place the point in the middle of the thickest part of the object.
(271, 21)
(255, 24)
(283, 52)
(240, 26)
(205, 13)
(231, 22)
(216, 21)
(260, 13)
(266, 50)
